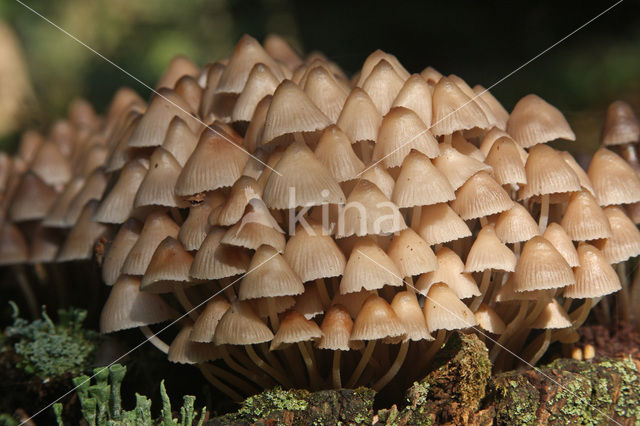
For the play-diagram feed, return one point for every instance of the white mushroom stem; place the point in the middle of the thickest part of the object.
(447, 138)
(366, 355)
(434, 347)
(544, 213)
(278, 375)
(27, 291)
(395, 367)
(623, 295)
(314, 377)
(542, 344)
(324, 294)
(416, 214)
(229, 377)
(219, 385)
(336, 379)
(512, 327)
(251, 375)
(365, 152)
(578, 317)
(270, 356)
(484, 286)
(154, 339)
(185, 302)
(227, 288)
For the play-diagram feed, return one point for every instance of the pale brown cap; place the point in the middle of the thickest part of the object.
(369, 268)
(377, 320)
(352, 302)
(55, 214)
(624, 241)
(488, 252)
(282, 51)
(460, 142)
(431, 75)
(196, 227)
(32, 199)
(179, 66)
(230, 211)
(30, 142)
(189, 90)
(117, 252)
(516, 225)
(451, 272)
(489, 320)
(400, 132)
(205, 326)
(383, 85)
(313, 254)
(157, 187)
(180, 141)
(594, 277)
(266, 306)
(80, 242)
(360, 119)
(492, 136)
(454, 110)
(117, 206)
(620, 125)
(93, 188)
(45, 244)
(13, 246)
(168, 268)
(541, 267)
(614, 180)
(488, 112)
(257, 227)
(209, 97)
(309, 303)
(506, 162)
(156, 228)
(416, 95)
(368, 211)
(241, 326)
(336, 330)
(501, 114)
(440, 224)
(325, 92)
(128, 307)
(420, 183)
(216, 162)
(405, 305)
(457, 167)
(585, 182)
(274, 277)
(261, 82)
(215, 261)
(480, 196)
(411, 254)
(559, 238)
(380, 178)
(50, 165)
(373, 59)
(295, 328)
(508, 293)
(335, 152)
(184, 351)
(443, 310)
(547, 173)
(302, 180)
(247, 53)
(533, 121)
(552, 317)
(121, 153)
(583, 218)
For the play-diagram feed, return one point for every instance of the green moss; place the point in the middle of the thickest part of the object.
(271, 400)
(516, 400)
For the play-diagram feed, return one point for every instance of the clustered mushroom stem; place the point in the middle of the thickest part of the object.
(366, 355)
(296, 366)
(578, 317)
(434, 347)
(230, 378)
(219, 385)
(278, 375)
(254, 377)
(314, 377)
(416, 213)
(336, 379)
(395, 367)
(622, 297)
(227, 288)
(483, 221)
(544, 213)
(273, 314)
(185, 302)
(542, 347)
(484, 286)
(447, 138)
(365, 152)
(27, 291)
(635, 295)
(154, 339)
(324, 295)
(512, 327)
(175, 215)
(270, 356)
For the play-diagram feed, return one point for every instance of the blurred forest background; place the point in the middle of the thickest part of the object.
(42, 69)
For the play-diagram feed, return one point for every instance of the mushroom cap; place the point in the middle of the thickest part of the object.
(488, 252)
(51, 165)
(80, 242)
(295, 328)
(377, 320)
(325, 92)
(552, 317)
(257, 227)
(45, 244)
(480, 196)
(13, 246)
(185, 351)
(559, 238)
(128, 307)
(420, 183)
(274, 277)
(309, 303)
(180, 141)
(260, 83)
(373, 59)
(93, 188)
(516, 225)
(380, 178)
(489, 320)
(241, 326)
(585, 182)
(32, 199)
(334, 151)
(541, 267)
(431, 75)
(196, 227)
(119, 249)
(620, 125)
(205, 326)
(411, 254)
(231, 210)
(506, 162)
(443, 310)
(282, 51)
(614, 180)
(533, 121)
(352, 302)
(360, 118)
(369, 268)
(157, 187)
(168, 267)
(118, 205)
(454, 110)
(624, 241)
(214, 261)
(594, 277)
(179, 66)
(547, 173)
(440, 224)
(584, 220)
(501, 114)
(336, 330)
(450, 272)
(383, 85)
(416, 95)
(405, 305)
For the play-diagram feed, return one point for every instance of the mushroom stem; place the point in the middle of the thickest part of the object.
(154, 339)
(227, 376)
(295, 366)
(578, 317)
(270, 356)
(175, 215)
(273, 314)
(278, 375)
(395, 367)
(622, 298)
(366, 355)
(483, 221)
(544, 213)
(416, 214)
(512, 327)
(542, 346)
(254, 377)
(314, 377)
(635, 295)
(447, 138)
(27, 291)
(185, 302)
(324, 295)
(336, 380)
(227, 288)
(365, 152)
(434, 347)
(219, 385)
(484, 286)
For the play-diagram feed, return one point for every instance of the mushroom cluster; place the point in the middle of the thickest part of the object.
(319, 231)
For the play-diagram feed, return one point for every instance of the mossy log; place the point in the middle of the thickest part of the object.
(461, 390)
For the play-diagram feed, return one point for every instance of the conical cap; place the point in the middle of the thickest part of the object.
(205, 326)
(594, 277)
(614, 181)
(420, 183)
(216, 261)
(328, 95)
(335, 153)
(118, 205)
(405, 305)
(480, 196)
(119, 249)
(241, 326)
(168, 267)
(443, 310)
(369, 268)
(440, 224)
(516, 225)
(457, 167)
(257, 227)
(157, 187)
(488, 252)
(85, 233)
(295, 328)
(196, 227)
(377, 320)
(416, 96)
(584, 220)
(274, 278)
(411, 254)
(559, 238)
(541, 267)
(451, 272)
(383, 85)
(453, 110)
(533, 121)
(260, 83)
(624, 241)
(360, 119)
(313, 254)
(620, 125)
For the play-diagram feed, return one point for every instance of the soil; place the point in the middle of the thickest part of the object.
(619, 341)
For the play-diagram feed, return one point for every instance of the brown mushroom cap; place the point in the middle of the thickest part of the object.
(533, 121)
(411, 254)
(584, 220)
(336, 330)
(614, 180)
(443, 310)
(405, 305)
(480, 196)
(241, 326)
(594, 277)
(360, 119)
(214, 260)
(416, 95)
(205, 326)
(323, 89)
(80, 242)
(168, 267)
(13, 246)
(440, 224)
(624, 241)
(488, 252)
(420, 183)
(369, 268)
(454, 110)
(541, 267)
(274, 277)
(516, 225)
(559, 238)
(377, 320)
(117, 253)
(620, 125)
(489, 320)
(451, 272)
(295, 328)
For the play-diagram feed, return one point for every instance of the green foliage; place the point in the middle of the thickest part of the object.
(51, 350)
(101, 402)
